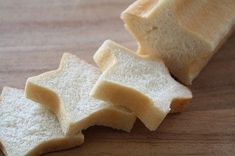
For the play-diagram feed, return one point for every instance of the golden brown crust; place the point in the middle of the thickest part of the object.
(205, 18)
(178, 105)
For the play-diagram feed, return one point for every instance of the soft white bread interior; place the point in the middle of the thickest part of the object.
(26, 128)
(186, 33)
(140, 84)
(65, 91)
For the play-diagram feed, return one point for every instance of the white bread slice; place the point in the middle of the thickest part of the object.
(28, 129)
(142, 85)
(186, 33)
(65, 91)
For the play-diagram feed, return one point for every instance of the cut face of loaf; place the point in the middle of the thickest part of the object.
(186, 33)
(28, 129)
(144, 86)
(65, 91)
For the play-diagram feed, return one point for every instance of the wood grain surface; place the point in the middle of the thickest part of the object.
(35, 33)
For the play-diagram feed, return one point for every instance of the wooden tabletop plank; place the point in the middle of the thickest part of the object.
(35, 33)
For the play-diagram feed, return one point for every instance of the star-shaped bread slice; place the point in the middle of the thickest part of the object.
(142, 85)
(185, 33)
(26, 128)
(65, 92)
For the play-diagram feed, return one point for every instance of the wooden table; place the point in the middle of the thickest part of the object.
(35, 33)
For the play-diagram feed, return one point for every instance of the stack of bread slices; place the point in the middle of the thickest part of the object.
(175, 37)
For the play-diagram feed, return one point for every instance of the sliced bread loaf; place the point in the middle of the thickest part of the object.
(186, 33)
(28, 129)
(65, 91)
(140, 84)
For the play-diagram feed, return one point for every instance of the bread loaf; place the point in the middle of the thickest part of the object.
(186, 33)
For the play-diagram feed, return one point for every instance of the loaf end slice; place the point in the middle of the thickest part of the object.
(65, 92)
(140, 84)
(29, 129)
